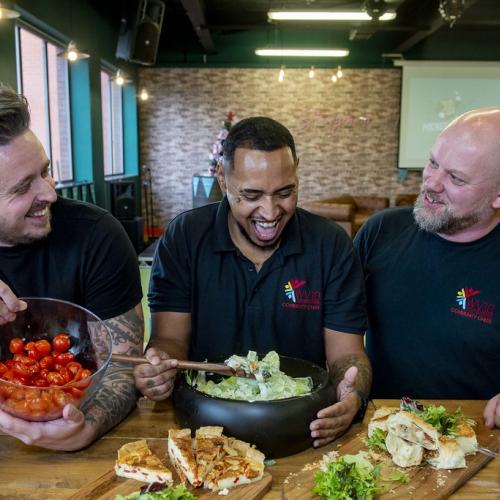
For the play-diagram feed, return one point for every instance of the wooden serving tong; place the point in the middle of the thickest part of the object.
(220, 368)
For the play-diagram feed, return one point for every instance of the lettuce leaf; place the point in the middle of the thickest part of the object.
(270, 382)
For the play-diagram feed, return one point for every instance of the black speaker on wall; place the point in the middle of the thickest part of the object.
(135, 231)
(123, 199)
(140, 33)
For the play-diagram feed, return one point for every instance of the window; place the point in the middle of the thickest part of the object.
(44, 82)
(112, 125)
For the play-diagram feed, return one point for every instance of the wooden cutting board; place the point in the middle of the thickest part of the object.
(107, 486)
(425, 482)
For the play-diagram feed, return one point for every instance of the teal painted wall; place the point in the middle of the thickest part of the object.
(76, 20)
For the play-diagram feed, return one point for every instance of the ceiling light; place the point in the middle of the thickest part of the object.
(376, 9)
(8, 13)
(282, 15)
(302, 52)
(451, 10)
(72, 53)
(311, 72)
(120, 78)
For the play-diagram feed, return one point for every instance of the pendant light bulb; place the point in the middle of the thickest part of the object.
(281, 75)
(340, 74)
(311, 72)
(144, 96)
(334, 78)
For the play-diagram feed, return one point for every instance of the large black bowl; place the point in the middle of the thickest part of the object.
(278, 428)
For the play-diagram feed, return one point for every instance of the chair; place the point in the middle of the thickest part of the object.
(406, 199)
(362, 206)
(341, 213)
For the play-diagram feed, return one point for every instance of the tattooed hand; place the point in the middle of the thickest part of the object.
(156, 379)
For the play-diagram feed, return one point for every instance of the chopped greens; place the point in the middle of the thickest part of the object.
(377, 440)
(399, 476)
(443, 421)
(349, 477)
(167, 493)
(353, 477)
(269, 383)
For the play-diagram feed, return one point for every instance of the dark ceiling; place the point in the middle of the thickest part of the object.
(226, 32)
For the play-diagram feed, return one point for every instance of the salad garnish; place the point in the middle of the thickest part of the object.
(443, 421)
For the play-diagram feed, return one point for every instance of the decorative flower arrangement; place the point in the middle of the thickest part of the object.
(216, 153)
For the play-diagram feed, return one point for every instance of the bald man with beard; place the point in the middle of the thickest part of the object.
(432, 275)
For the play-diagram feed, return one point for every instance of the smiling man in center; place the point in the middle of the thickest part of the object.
(254, 272)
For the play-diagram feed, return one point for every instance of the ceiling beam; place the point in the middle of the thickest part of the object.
(436, 23)
(194, 11)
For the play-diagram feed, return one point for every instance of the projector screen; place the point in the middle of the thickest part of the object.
(433, 94)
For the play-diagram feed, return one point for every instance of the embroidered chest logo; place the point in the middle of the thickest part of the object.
(470, 306)
(299, 297)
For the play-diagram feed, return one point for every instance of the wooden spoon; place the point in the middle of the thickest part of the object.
(220, 368)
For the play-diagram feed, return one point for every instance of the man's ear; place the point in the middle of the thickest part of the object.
(496, 201)
(219, 173)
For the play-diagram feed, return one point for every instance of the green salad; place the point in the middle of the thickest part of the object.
(270, 382)
(350, 477)
(443, 421)
(377, 440)
(354, 477)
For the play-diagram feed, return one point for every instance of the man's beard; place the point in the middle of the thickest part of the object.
(10, 238)
(447, 222)
(271, 246)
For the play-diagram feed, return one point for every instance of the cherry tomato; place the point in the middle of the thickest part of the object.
(40, 382)
(21, 370)
(60, 398)
(34, 354)
(23, 359)
(63, 358)
(75, 392)
(61, 342)
(82, 374)
(47, 362)
(16, 345)
(54, 378)
(3, 368)
(73, 367)
(43, 347)
(65, 374)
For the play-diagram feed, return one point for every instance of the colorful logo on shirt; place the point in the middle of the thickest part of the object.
(291, 286)
(471, 307)
(299, 297)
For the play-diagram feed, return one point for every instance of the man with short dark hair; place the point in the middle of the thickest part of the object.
(64, 249)
(432, 275)
(256, 273)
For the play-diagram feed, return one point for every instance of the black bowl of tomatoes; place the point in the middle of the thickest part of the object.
(54, 353)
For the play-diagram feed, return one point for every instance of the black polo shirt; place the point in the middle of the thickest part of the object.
(313, 280)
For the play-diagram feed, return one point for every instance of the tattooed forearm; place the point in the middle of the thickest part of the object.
(361, 361)
(117, 395)
(127, 332)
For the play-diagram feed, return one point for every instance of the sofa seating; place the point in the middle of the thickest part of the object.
(404, 200)
(364, 206)
(341, 213)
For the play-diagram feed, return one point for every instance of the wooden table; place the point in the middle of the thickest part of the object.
(27, 472)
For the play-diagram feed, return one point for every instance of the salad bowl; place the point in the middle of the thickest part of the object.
(278, 427)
